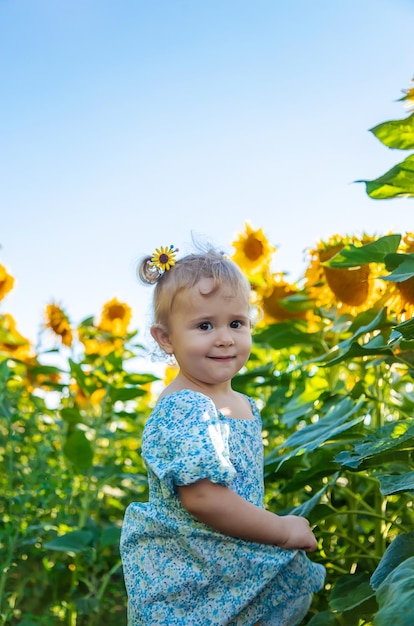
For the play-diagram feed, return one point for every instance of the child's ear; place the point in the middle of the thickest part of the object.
(162, 337)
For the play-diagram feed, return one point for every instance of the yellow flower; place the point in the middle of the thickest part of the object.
(406, 293)
(83, 401)
(401, 298)
(95, 345)
(164, 258)
(348, 289)
(273, 308)
(253, 252)
(6, 282)
(170, 373)
(58, 321)
(90, 344)
(407, 243)
(115, 318)
(12, 342)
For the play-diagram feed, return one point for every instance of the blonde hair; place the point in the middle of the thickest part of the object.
(185, 274)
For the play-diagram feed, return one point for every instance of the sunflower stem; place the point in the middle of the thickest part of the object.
(380, 502)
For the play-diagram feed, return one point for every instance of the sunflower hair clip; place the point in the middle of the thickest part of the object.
(164, 258)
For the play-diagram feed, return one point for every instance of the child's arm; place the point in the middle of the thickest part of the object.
(226, 511)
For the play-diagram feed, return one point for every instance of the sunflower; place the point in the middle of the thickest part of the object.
(401, 299)
(58, 321)
(270, 301)
(83, 401)
(253, 252)
(348, 289)
(115, 318)
(164, 258)
(94, 344)
(6, 282)
(406, 293)
(12, 343)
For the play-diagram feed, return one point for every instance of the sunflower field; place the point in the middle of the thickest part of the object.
(331, 369)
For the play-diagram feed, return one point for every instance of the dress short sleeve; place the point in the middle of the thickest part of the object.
(185, 441)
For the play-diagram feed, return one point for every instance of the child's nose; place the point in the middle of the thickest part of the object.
(224, 337)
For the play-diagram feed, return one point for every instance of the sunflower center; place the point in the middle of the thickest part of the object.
(253, 248)
(116, 311)
(164, 258)
(406, 289)
(273, 307)
(351, 287)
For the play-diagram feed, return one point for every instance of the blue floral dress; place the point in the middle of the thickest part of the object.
(178, 570)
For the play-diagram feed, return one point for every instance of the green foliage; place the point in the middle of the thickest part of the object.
(399, 180)
(68, 468)
(396, 596)
(340, 444)
(396, 133)
(372, 252)
(336, 405)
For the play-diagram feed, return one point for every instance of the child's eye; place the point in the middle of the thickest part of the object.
(205, 326)
(236, 324)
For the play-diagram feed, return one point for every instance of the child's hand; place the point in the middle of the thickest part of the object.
(298, 534)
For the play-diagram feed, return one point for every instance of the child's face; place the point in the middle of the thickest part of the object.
(210, 335)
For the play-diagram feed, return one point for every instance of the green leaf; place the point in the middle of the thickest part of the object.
(261, 372)
(320, 513)
(79, 375)
(403, 272)
(286, 335)
(87, 606)
(324, 618)
(71, 415)
(396, 133)
(398, 181)
(75, 541)
(389, 438)
(398, 551)
(258, 376)
(325, 429)
(305, 509)
(395, 596)
(406, 329)
(297, 303)
(78, 450)
(139, 379)
(46, 369)
(394, 259)
(350, 591)
(88, 321)
(372, 348)
(367, 321)
(110, 536)
(396, 483)
(372, 252)
(320, 466)
(126, 393)
(293, 411)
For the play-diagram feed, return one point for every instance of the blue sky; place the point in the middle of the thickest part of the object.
(129, 125)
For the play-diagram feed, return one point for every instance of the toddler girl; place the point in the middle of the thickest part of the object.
(204, 551)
